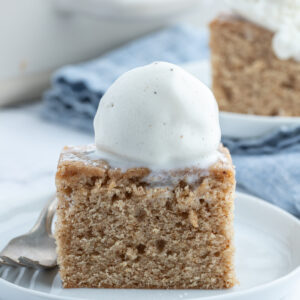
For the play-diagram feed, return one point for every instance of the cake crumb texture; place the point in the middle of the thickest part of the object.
(247, 76)
(116, 230)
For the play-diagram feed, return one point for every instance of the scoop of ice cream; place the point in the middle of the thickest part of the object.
(158, 115)
(280, 16)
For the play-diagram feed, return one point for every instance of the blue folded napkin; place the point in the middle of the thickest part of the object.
(77, 89)
(269, 167)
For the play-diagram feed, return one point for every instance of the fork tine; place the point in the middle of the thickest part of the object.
(29, 263)
(3, 263)
(10, 262)
(35, 264)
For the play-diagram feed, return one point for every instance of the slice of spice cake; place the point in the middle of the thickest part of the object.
(143, 229)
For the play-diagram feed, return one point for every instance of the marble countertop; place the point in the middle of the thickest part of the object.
(29, 149)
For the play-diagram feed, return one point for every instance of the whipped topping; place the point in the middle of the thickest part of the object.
(280, 16)
(158, 116)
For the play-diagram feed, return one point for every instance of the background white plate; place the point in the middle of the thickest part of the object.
(267, 259)
(240, 125)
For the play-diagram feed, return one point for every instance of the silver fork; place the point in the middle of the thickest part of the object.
(36, 249)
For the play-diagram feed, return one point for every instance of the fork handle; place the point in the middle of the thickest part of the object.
(44, 221)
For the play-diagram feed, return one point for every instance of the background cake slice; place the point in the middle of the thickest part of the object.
(247, 75)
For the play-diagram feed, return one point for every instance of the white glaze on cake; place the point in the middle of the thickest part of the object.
(88, 156)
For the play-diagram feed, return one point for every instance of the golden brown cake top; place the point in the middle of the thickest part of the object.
(83, 159)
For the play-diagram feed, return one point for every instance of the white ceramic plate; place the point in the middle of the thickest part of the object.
(240, 125)
(267, 259)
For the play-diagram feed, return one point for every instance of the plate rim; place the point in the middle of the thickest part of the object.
(267, 119)
(281, 280)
